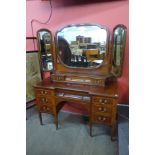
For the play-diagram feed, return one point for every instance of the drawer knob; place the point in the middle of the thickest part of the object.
(100, 100)
(102, 109)
(101, 118)
(105, 101)
(44, 100)
(43, 92)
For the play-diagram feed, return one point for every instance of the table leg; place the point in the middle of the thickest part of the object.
(56, 121)
(90, 127)
(40, 118)
(112, 132)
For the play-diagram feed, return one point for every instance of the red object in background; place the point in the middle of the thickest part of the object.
(75, 108)
(46, 75)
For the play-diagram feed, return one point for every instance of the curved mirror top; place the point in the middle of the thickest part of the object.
(119, 39)
(82, 45)
(119, 44)
(44, 42)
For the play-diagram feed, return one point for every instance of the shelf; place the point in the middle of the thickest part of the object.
(73, 96)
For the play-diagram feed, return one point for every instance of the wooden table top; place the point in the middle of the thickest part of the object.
(110, 90)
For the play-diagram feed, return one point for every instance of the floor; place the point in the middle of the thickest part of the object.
(72, 137)
(123, 130)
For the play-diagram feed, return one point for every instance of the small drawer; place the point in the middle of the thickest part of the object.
(45, 108)
(60, 78)
(102, 100)
(44, 100)
(44, 92)
(102, 119)
(101, 109)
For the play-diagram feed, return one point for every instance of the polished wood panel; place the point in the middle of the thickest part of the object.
(109, 91)
(102, 119)
(43, 92)
(100, 102)
(102, 109)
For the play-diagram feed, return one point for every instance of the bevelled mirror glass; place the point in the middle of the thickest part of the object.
(44, 39)
(82, 45)
(119, 39)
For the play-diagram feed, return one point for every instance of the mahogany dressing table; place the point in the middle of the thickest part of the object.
(86, 79)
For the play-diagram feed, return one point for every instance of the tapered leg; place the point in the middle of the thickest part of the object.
(113, 132)
(56, 121)
(40, 118)
(90, 127)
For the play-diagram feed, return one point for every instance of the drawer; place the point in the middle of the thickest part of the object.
(101, 119)
(44, 100)
(101, 109)
(102, 101)
(45, 108)
(44, 92)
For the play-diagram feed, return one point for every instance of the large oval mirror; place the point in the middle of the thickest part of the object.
(82, 45)
(44, 39)
(119, 39)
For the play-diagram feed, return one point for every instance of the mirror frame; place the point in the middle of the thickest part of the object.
(117, 69)
(39, 48)
(78, 25)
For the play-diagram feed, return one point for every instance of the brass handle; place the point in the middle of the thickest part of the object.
(101, 118)
(43, 92)
(59, 77)
(102, 109)
(44, 100)
(100, 100)
(103, 101)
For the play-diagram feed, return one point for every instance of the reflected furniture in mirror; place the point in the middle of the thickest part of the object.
(82, 74)
(86, 44)
(86, 48)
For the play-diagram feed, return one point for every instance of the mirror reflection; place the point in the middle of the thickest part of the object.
(44, 42)
(82, 45)
(119, 39)
(119, 43)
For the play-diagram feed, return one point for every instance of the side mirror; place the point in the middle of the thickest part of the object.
(118, 49)
(44, 39)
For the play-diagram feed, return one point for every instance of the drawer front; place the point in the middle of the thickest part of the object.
(45, 108)
(44, 100)
(102, 101)
(101, 109)
(43, 92)
(101, 119)
(44, 104)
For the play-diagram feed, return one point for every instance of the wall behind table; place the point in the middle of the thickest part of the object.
(108, 13)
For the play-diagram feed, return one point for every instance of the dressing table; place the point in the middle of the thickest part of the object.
(85, 67)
